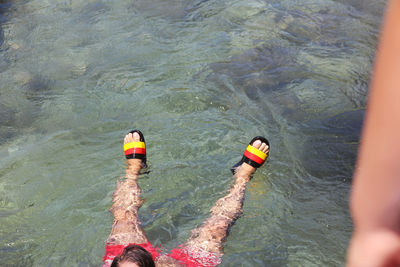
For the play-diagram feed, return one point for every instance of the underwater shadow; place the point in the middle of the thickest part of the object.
(331, 150)
(5, 5)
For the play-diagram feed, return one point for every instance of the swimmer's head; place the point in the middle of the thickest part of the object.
(133, 256)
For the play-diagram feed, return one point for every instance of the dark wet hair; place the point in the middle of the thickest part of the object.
(135, 254)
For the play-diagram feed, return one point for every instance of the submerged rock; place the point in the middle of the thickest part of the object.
(330, 150)
(263, 68)
(7, 120)
(1, 37)
(7, 115)
(37, 89)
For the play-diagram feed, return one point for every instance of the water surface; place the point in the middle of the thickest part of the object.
(200, 79)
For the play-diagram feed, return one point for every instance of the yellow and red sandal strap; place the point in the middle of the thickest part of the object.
(254, 155)
(135, 148)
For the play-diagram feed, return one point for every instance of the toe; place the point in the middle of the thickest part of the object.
(262, 147)
(136, 137)
(256, 144)
(266, 149)
(129, 137)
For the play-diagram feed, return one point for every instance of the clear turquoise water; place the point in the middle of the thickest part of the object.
(200, 79)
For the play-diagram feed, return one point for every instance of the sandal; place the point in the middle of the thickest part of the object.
(136, 150)
(253, 156)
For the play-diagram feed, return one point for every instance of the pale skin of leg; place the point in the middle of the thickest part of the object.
(209, 237)
(375, 197)
(126, 203)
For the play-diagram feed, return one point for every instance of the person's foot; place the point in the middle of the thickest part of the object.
(134, 164)
(246, 170)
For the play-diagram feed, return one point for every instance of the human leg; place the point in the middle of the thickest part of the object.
(375, 194)
(126, 203)
(210, 236)
(126, 230)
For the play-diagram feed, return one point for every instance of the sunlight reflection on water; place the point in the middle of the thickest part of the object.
(200, 79)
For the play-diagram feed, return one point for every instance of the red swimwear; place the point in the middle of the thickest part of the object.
(197, 258)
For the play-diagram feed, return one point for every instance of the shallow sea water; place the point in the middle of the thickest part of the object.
(200, 79)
